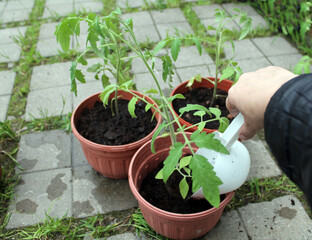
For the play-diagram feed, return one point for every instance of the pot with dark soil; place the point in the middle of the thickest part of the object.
(107, 142)
(170, 216)
(201, 93)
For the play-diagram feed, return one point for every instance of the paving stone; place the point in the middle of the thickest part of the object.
(9, 34)
(51, 75)
(262, 164)
(41, 193)
(4, 106)
(258, 22)
(44, 150)
(139, 18)
(146, 33)
(86, 90)
(229, 7)
(183, 28)
(130, 3)
(53, 49)
(172, 15)
(47, 30)
(19, 4)
(250, 65)
(15, 16)
(189, 56)
(124, 236)
(145, 81)
(2, 5)
(230, 226)
(48, 102)
(91, 6)
(9, 52)
(206, 11)
(282, 218)
(57, 2)
(55, 10)
(273, 46)
(6, 82)
(93, 193)
(211, 22)
(78, 157)
(287, 61)
(244, 49)
(189, 72)
(138, 66)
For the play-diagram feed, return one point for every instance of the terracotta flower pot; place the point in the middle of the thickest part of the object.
(111, 161)
(171, 225)
(182, 88)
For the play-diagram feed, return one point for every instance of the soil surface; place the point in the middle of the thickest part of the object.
(203, 97)
(98, 125)
(155, 192)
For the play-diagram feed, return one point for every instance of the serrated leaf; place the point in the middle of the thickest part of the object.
(175, 48)
(160, 45)
(201, 126)
(129, 23)
(197, 78)
(105, 81)
(177, 96)
(63, 33)
(204, 176)
(104, 96)
(172, 160)
(152, 91)
(208, 141)
(198, 45)
(83, 61)
(246, 29)
(148, 107)
(199, 113)
(158, 130)
(94, 67)
(193, 107)
(159, 175)
(215, 111)
(72, 77)
(185, 161)
(80, 76)
(167, 67)
(184, 188)
(131, 106)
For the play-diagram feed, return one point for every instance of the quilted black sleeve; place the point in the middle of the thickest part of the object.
(288, 130)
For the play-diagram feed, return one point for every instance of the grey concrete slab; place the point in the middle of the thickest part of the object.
(2, 5)
(262, 164)
(90, 6)
(19, 4)
(286, 61)
(48, 102)
(41, 193)
(211, 22)
(9, 52)
(124, 236)
(8, 35)
(53, 49)
(282, 218)
(189, 72)
(146, 33)
(229, 7)
(94, 193)
(86, 90)
(138, 66)
(15, 15)
(78, 157)
(173, 29)
(51, 75)
(55, 10)
(57, 2)
(6, 82)
(206, 11)
(171, 15)
(250, 65)
(244, 49)
(230, 226)
(189, 56)
(145, 81)
(273, 46)
(47, 30)
(130, 3)
(44, 151)
(4, 106)
(258, 22)
(139, 18)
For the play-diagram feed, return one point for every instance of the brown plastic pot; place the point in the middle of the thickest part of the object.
(170, 225)
(111, 161)
(182, 88)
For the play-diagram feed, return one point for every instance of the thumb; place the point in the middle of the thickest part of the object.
(247, 132)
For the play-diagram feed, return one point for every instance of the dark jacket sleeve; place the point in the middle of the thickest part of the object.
(288, 130)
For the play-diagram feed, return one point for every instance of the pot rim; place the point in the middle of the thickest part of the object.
(113, 148)
(161, 212)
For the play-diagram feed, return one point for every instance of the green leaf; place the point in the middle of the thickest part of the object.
(104, 96)
(94, 67)
(198, 45)
(129, 23)
(184, 188)
(204, 176)
(208, 141)
(153, 91)
(215, 111)
(158, 130)
(159, 175)
(201, 126)
(63, 33)
(167, 67)
(192, 107)
(148, 106)
(131, 106)
(82, 60)
(177, 96)
(160, 45)
(72, 77)
(246, 29)
(172, 160)
(80, 76)
(185, 161)
(105, 81)
(226, 73)
(224, 123)
(175, 48)
(199, 113)
(197, 78)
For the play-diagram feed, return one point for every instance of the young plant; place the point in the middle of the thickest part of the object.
(102, 38)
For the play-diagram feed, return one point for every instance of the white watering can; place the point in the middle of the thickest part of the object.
(232, 169)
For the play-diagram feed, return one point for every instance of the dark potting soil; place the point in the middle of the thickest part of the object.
(156, 192)
(98, 124)
(202, 96)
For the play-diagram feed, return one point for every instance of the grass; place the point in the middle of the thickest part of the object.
(102, 225)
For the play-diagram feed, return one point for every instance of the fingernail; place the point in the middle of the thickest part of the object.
(242, 137)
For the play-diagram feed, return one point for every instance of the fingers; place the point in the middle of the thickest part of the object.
(248, 131)
(230, 105)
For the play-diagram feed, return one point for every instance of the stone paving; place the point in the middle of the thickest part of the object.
(56, 178)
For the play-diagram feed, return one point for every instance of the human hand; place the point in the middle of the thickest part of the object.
(251, 95)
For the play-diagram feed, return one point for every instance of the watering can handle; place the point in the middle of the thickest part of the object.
(231, 133)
